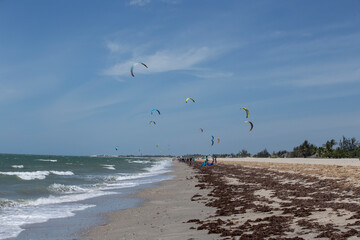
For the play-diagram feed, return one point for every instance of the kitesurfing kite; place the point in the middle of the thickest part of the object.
(132, 67)
(247, 112)
(218, 140)
(189, 98)
(212, 142)
(250, 124)
(202, 130)
(155, 110)
(212, 138)
(116, 148)
(152, 122)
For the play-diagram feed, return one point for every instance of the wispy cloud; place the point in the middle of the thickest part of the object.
(7, 94)
(167, 60)
(18, 87)
(139, 2)
(319, 74)
(206, 73)
(117, 48)
(77, 104)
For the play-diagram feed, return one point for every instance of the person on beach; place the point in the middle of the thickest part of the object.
(206, 162)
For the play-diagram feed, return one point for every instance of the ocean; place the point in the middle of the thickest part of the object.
(48, 191)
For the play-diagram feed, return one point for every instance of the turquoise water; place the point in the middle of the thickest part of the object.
(34, 189)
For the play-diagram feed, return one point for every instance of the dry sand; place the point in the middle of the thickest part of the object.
(163, 215)
(343, 169)
(318, 161)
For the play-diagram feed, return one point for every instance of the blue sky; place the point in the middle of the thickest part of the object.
(65, 84)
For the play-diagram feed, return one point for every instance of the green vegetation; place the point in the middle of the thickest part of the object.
(263, 154)
(345, 148)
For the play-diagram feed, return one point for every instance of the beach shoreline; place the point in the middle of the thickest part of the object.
(163, 214)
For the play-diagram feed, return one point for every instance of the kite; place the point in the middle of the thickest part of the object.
(116, 148)
(212, 142)
(218, 140)
(155, 110)
(157, 145)
(250, 124)
(152, 122)
(202, 130)
(247, 112)
(189, 98)
(132, 67)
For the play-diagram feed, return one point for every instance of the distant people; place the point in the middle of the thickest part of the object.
(215, 159)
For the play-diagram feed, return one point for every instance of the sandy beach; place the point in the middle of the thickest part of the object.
(244, 199)
(163, 215)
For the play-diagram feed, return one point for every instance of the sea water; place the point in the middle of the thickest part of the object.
(38, 189)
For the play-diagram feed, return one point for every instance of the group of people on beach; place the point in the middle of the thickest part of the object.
(206, 163)
(190, 160)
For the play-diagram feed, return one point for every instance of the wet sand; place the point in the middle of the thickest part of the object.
(164, 213)
(245, 200)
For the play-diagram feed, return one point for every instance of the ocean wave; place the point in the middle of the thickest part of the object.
(7, 203)
(67, 198)
(158, 168)
(65, 189)
(17, 166)
(47, 160)
(13, 218)
(63, 173)
(110, 167)
(36, 174)
(139, 161)
(28, 175)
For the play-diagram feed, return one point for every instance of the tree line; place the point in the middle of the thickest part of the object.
(345, 148)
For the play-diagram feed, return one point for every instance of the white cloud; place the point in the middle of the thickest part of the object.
(166, 60)
(117, 48)
(139, 2)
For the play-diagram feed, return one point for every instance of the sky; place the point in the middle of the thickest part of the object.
(66, 88)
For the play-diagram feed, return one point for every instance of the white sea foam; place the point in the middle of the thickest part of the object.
(139, 161)
(65, 189)
(13, 218)
(17, 166)
(36, 174)
(110, 167)
(67, 198)
(64, 173)
(28, 175)
(156, 169)
(14, 214)
(47, 160)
